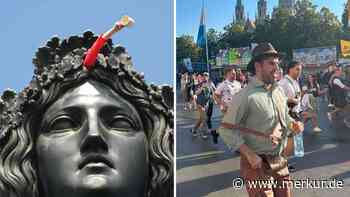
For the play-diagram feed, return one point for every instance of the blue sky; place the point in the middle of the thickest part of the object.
(220, 12)
(27, 25)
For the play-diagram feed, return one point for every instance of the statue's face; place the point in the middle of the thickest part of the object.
(92, 143)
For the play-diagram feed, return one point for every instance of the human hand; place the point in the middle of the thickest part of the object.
(125, 21)
(223, 108)
(254, 160)
(295, 100)
(276, 135)
(297, 127)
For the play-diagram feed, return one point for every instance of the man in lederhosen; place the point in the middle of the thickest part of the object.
(258, 124)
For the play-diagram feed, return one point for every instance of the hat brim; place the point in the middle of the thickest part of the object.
(251, 64)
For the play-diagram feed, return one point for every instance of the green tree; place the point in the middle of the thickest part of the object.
(344, 18)
(262, 32)
(304, 27)
(213, 37)
(345, 23)
(234, 36)
(305, 24)
(279, 31)
(186, 48)
(329, 28)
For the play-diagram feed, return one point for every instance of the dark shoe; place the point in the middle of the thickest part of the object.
(194, 132)
(291, 168)
(215, 136)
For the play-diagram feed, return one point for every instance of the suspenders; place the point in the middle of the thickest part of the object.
(256, 132)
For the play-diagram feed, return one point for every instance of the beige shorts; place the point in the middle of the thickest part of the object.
(201, 114)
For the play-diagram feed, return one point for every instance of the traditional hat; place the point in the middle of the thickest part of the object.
(262, 50)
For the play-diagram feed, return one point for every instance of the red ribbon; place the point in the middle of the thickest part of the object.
(92, 53)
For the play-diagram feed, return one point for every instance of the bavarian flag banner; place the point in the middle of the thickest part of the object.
(348, 12)
(202, 34)
(345, 48)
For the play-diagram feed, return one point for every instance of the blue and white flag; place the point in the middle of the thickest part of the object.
(202, 35)
(348, 11)
(188, 64)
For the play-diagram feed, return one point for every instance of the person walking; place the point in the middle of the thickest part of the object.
(224, 94)
(258, 124)
(210, 103)
(186, 91)
(226, 89)
(291, 87)
(339, 89)
(202, 96)
(309, 108)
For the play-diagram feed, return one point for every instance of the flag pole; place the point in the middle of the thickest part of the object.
(348, 12)
(206, 41)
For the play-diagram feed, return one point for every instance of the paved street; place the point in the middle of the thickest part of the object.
(207, 169)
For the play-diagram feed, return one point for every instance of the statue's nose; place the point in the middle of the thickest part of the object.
(94, 139)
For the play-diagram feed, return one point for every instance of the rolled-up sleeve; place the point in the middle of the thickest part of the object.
(338, 83)
(234, 115)
(92, 53)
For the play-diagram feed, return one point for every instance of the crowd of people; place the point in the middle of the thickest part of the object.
(269, 102)
(199, 93)
(304, 92)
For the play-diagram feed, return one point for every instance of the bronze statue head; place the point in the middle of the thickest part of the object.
(74, 132)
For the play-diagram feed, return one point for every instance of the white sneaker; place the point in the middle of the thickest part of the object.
(204, 136)
(317, 130)
(329, 115)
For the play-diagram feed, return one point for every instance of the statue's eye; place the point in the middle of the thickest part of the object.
(62, 123)
(121, 123)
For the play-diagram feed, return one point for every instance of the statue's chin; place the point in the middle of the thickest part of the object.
(95, 182)
(97, 185)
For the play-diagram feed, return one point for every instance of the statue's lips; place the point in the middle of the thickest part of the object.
(95, 161)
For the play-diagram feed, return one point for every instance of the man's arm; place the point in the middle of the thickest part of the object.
(92, 53)
(235, 114)
(218, 98)
(293, 100)
(340, 84)
(254, 160)
(218, 94)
